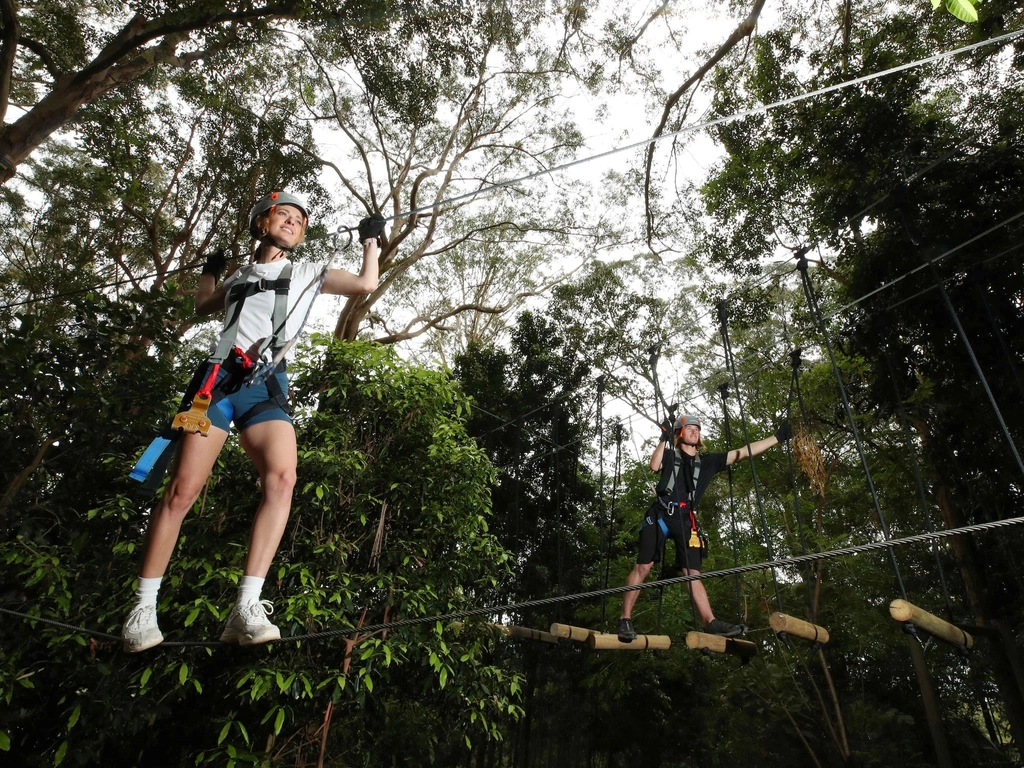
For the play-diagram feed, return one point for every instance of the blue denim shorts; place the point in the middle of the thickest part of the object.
(236, 404)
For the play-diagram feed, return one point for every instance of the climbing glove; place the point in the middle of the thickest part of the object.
(784, 432)
(371, 228)
(215, 264)
(666, 430)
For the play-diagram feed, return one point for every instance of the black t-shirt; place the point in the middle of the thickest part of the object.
(710, 465)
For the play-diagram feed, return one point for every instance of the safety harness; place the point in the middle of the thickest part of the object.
(208, 386)
(664, 490)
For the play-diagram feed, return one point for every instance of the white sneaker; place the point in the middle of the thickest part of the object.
(140, 630)
(249, 625)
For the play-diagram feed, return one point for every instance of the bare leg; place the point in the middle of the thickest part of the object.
(271, 446)
(195, 462)
(700, 597)
(636, 576)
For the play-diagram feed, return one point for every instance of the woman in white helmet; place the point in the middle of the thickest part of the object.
(267, 301)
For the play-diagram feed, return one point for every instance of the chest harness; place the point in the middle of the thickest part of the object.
(666, 487)
(208, 386)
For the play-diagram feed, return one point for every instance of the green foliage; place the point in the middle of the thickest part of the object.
(962, 9)
(383, 452)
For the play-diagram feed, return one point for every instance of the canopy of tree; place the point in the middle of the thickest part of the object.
(477, 431)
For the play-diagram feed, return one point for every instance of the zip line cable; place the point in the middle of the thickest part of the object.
(714, 122)
(638, 145)
(798, 560)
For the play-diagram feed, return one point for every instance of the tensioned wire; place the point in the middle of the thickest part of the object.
(686, 393)
(714, 122)
(689, 391)
(645, 142)
(500, 610)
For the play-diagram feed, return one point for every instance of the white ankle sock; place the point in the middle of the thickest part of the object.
(249, 589)
(146, 592)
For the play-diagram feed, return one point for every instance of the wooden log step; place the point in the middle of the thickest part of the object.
(700, 641)
(601, 642)
(909, 613)
(569, 632)
(798, 628)
(524, 633)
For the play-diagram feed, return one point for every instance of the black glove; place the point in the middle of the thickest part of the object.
(371, 228)
(215, 264)
(784, 432)
(666, 430)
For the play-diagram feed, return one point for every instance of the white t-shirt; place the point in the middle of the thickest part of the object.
(256, 320)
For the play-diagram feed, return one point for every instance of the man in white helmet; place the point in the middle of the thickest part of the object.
(685, 475)
(266, 302)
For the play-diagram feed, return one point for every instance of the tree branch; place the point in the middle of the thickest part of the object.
(8, 50)
(745, 29)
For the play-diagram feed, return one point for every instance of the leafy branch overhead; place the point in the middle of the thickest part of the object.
(56, 58)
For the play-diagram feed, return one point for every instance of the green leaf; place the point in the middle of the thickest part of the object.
(75, 714)
(443, 676)
(279, 721)
(224, 732)
(146, 674)
(963, 10)
(5, 742)
(183, 673)
(62, 751)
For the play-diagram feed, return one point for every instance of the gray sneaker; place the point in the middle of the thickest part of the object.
(140, 630)
(724, 628)
(249, 625)
(626, 632)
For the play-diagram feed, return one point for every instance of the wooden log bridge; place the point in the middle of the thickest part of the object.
(909, 613)
(523, 633)
(700, 641)
(601, 642)
(607, 642)
(798, 628)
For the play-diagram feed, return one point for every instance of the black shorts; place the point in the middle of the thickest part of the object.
(661, 524)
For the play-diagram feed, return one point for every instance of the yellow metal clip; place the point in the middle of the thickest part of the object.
(195, 418)
(694, 540)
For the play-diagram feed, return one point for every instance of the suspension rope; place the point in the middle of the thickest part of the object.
(723, 389)
(639, 145)
(794, 387)
(735, 116)
(723, 325)
(915, 465)
(812, 304)
(499, 610)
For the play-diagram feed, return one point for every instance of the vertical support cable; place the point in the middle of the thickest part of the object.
(951, 310)
(794, 386)
(723, 389)
(600, 453)
(611, 513)
(812, 303)
(904, 423)
(903, 208)
(730, 362)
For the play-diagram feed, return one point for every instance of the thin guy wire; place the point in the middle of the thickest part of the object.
(812, 304)
(798, 560)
